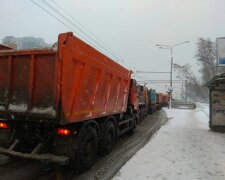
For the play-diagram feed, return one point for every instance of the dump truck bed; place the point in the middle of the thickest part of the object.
(74, 83)
(28, 83)
(93, 85)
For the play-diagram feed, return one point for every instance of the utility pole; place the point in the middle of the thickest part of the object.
(185, 94)
(170, 47)
(171, 75)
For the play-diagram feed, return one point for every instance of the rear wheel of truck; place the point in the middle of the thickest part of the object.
(88, 147)
(133, 125)
(7, 137)
(141, 114)
(150, 111)
(108, 135)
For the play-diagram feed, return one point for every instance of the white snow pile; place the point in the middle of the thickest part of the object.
(184, 148)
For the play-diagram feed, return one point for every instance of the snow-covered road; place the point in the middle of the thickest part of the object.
(184, 148)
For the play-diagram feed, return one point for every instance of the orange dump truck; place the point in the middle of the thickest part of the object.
(159, 101)
(63, 105)
(162, 100)
(165, 100)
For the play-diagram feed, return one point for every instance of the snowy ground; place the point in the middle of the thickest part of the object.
(184, 148)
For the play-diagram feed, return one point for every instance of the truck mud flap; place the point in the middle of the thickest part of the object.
(46, 158)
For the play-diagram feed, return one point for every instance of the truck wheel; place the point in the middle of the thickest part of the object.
(133, 125)
(88, 148)
(141, 114)
(151, 111)
(7, 137)
(108, 136)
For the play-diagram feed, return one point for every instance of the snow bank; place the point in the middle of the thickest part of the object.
(184, 148)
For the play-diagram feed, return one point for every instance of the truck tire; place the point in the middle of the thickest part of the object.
(133, 125)
(87, 148)
(150, 110)
(141, 115)
(7, 137)
(108, 135)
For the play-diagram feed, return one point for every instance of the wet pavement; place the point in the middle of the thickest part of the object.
(104, 168)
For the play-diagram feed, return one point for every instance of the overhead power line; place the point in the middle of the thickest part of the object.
(153, 68)
(159, 81)
(55, 17)
(81, 30)
(156, 80)
(68, 14)
(150, 72)
(68, 20)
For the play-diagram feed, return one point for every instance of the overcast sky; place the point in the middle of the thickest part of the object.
(130, 28)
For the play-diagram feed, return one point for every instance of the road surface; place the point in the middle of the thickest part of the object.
(104, 168)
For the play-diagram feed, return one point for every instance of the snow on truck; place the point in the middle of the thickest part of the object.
(64, 106)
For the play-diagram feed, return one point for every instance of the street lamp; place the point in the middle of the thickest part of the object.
(170, 47)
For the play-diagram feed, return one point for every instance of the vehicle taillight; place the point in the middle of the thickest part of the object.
(63, 131)
(4, 125)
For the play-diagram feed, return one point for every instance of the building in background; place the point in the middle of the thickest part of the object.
(25, 42)
(5, 47)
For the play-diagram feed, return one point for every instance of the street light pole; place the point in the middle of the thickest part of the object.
(171, 65)
(185, 93)
(171, 76)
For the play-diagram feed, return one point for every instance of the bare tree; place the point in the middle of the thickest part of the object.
(194, 87)
(206, 58)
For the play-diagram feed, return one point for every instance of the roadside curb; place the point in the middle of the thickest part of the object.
(109, 173)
